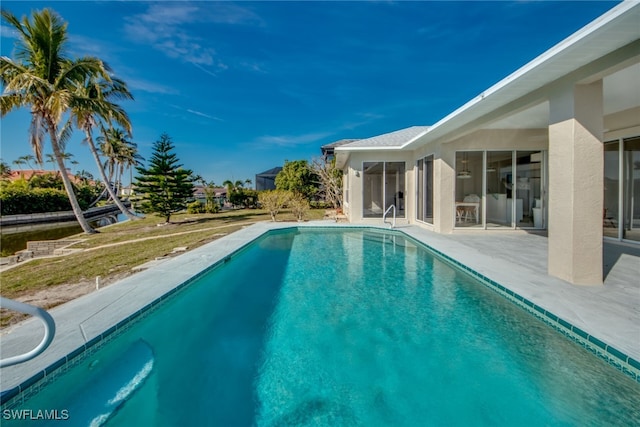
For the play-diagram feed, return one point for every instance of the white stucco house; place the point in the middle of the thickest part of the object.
(554, 146)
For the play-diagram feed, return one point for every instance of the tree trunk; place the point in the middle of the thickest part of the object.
(67, 182)
(103, 175)
(102, 193)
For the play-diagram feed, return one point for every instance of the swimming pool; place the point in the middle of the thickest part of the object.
(340, 327)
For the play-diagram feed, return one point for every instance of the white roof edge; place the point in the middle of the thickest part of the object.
(378, 148)
(594, 25)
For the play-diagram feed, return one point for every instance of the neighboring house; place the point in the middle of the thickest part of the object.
(536, 151)
(127, 191)
(30, 173)
(200, 195)
(267, 179)
(328, 150)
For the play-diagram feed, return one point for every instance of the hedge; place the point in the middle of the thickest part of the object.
(15, 201)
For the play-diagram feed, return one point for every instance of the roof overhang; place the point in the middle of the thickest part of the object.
(614, 36)
(613, 30)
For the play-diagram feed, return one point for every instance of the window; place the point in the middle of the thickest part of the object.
(383, 186)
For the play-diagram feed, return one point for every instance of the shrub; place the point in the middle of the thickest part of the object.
(195, 207)
(273, 201)
(299, 207)
(212, 208)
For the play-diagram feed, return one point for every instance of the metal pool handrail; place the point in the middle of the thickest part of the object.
(384, 221)
(49, 330)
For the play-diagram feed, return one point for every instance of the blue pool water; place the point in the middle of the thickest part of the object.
(340, 328)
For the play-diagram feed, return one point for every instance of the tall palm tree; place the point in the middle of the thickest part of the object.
(127, 157)
(120, 153)
(24, 160)
(41, 77)
(5, 169)
(229, 184)
(92, 108)
(19, 162)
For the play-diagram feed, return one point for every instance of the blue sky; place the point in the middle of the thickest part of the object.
(243, 86)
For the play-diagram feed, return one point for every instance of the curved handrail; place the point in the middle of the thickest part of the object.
(384, 216)
(49, 330)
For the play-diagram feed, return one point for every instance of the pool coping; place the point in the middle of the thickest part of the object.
(113, 308)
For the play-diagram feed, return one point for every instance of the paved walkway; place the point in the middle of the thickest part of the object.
(515, 259)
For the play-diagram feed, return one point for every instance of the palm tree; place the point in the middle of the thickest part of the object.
(24, 160)
(65, 156)
(19, 162)
(92, 107)
(5, 169)
(41, 77)
(229, 184)
(129, 160)
(84, 176)
(120, 154)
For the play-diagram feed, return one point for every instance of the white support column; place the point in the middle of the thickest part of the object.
(576, 184)
(443, 191)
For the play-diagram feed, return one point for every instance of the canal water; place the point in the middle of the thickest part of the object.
(15, 238)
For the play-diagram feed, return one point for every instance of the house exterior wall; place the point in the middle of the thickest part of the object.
(355, 181)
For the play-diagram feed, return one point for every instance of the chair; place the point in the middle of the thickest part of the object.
(471, 212)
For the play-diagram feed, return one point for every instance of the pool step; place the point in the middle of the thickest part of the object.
(384, 238)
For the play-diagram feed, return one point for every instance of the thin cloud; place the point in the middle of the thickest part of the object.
(7, 32)
(268, 141)
(361, 119)
(198, 113)
(166, 27)
(150, 87)
(195, 113)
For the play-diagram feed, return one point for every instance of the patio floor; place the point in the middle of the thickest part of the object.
(515, 259)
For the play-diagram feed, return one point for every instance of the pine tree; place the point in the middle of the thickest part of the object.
(165, 186)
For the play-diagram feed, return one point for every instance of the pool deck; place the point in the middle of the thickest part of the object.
(515, 259)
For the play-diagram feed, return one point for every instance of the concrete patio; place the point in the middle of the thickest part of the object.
(515, 259)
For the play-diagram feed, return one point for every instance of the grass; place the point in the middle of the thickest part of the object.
(118, 248)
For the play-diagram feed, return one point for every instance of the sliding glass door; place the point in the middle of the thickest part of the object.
(631, 196)
(528, 185)
(424, 186)
(506, 187)
(383, 186)
(469, 191)
(499, 178)
(611, 212)
(621, 215)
